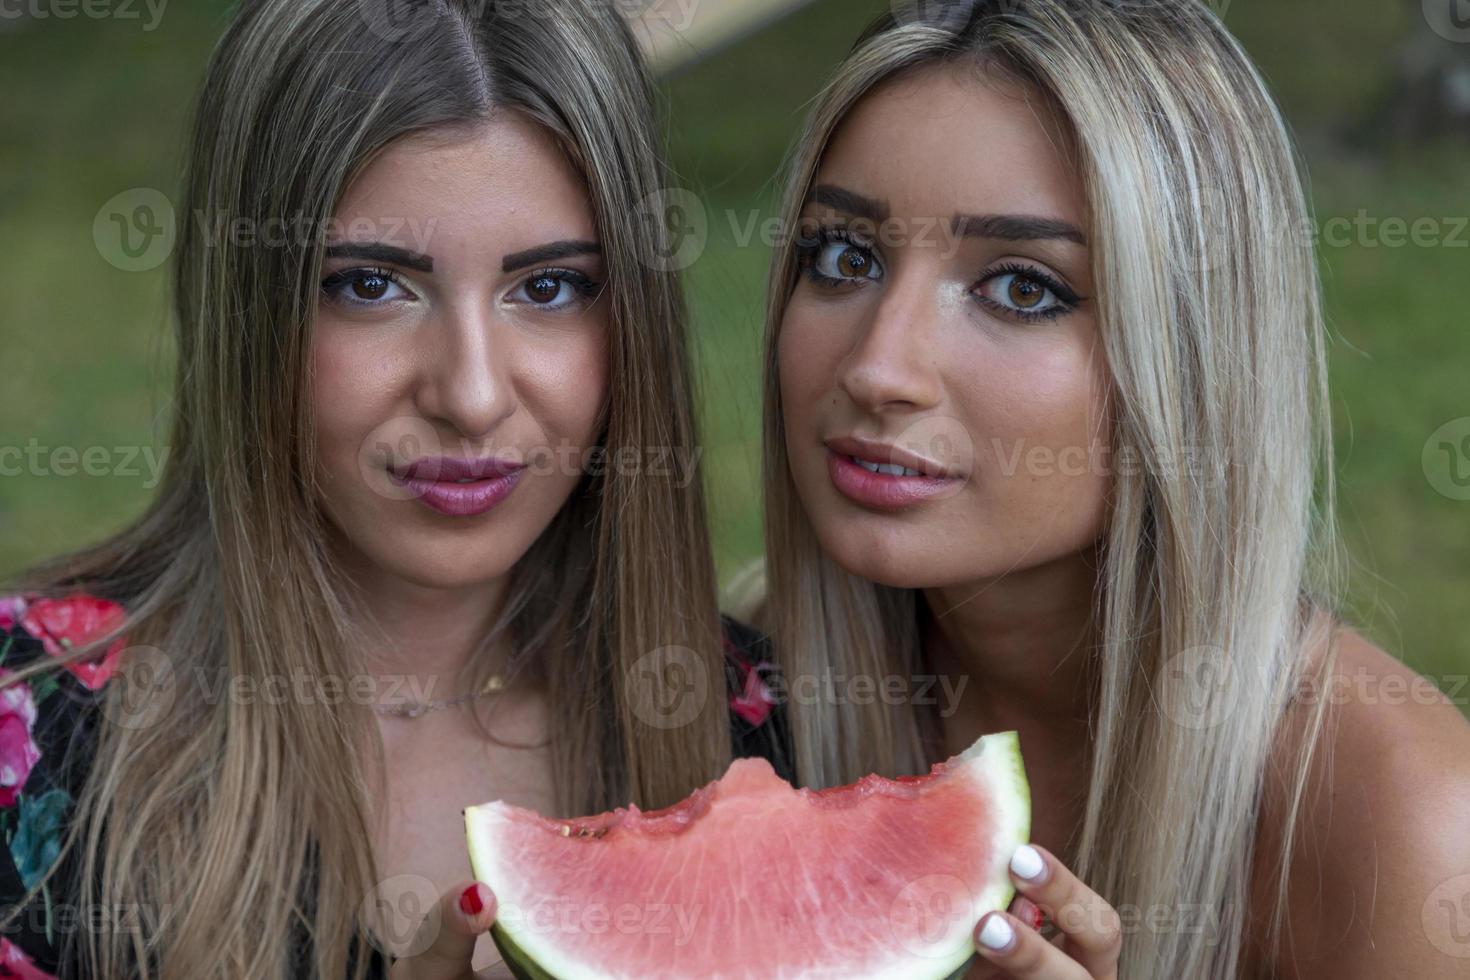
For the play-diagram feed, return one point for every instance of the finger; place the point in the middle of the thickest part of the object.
(1091, 930)
(1028, 912)
(1021, 953)
(447, 935)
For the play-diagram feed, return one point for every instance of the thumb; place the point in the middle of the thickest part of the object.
(447, 935)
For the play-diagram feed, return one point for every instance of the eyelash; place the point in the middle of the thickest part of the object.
(1067, 299)
(584, 286)
(332, 285)
(807, 252)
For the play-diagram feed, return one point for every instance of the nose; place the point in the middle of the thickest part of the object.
(469, 370)
(893, 366)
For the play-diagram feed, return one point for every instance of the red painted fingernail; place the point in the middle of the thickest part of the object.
(470, 902)
(1037, 917)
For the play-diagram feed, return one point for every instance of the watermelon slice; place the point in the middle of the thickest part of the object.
(750, 879)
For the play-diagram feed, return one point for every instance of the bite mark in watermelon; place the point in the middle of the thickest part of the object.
(750, 879)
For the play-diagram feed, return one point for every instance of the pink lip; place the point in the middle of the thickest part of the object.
(882, 452)
(435, 483)
(880, 490)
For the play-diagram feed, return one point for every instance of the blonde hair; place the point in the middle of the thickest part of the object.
(205, 819)
(1210, 317)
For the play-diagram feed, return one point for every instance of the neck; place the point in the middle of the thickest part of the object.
(1024, 641)
(1021, 643)
(431, 638)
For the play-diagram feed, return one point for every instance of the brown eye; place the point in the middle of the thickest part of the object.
(556, 289)
(853, 263)
(544, 289)
(843, 261)
(364, 288)
(370, 287)
(1026, 293)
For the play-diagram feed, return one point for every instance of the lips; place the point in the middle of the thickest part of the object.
(886, 459)
(885, 477)
(448, 469)
(459, 487)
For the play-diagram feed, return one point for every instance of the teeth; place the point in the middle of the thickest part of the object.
(887, 469)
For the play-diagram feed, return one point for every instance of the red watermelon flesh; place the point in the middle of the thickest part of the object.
(750, 879)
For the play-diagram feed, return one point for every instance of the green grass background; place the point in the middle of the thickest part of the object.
(95, 107)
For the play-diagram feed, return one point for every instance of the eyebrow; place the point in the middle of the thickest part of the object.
(1002, 227)
(842, 199)
(548, 252)
(381, 252)
(1015, 228)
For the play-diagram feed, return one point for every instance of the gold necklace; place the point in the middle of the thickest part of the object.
(417, 709)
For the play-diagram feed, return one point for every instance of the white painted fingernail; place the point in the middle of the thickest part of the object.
(1027, 862)
(997, 933)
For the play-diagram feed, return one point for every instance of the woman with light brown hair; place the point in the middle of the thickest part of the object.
(418, 545)
(1046, 415)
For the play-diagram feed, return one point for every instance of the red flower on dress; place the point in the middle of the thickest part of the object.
(12, 608)
(754, 699)
(15, 963)
(63, 625)
(18, 750)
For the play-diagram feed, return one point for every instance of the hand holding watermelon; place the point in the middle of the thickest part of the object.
(464, 913)
(1089, 934)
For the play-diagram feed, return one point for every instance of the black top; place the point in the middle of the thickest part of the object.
(48, 726)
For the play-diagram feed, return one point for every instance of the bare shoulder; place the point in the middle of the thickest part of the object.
(1380, 874)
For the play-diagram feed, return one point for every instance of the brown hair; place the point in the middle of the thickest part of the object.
(213, 811)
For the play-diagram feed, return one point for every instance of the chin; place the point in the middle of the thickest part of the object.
(452, 570)
(899, 557)
(936, 552)
(421, 561)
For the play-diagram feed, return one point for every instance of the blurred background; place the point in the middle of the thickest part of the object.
(95, 101)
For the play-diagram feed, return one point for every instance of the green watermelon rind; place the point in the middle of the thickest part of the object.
(1003, 769)
(522, 967)
(1000, 758)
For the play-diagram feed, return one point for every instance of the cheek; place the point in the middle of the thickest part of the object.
(807, 352)
(1043, 456)
(565, 385)
(351, 384)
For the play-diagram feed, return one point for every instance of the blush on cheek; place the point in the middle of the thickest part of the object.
(569, 389)
(333, 408)
(1048, 459)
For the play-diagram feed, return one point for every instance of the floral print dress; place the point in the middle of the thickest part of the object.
(45, 726)
(48, 724)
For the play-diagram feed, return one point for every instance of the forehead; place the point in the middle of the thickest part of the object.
(495, 183)
(952, 139)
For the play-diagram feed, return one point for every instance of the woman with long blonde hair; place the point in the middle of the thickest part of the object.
(430, 532)
(1047, 449)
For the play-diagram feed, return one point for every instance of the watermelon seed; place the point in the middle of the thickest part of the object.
(583, 833)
